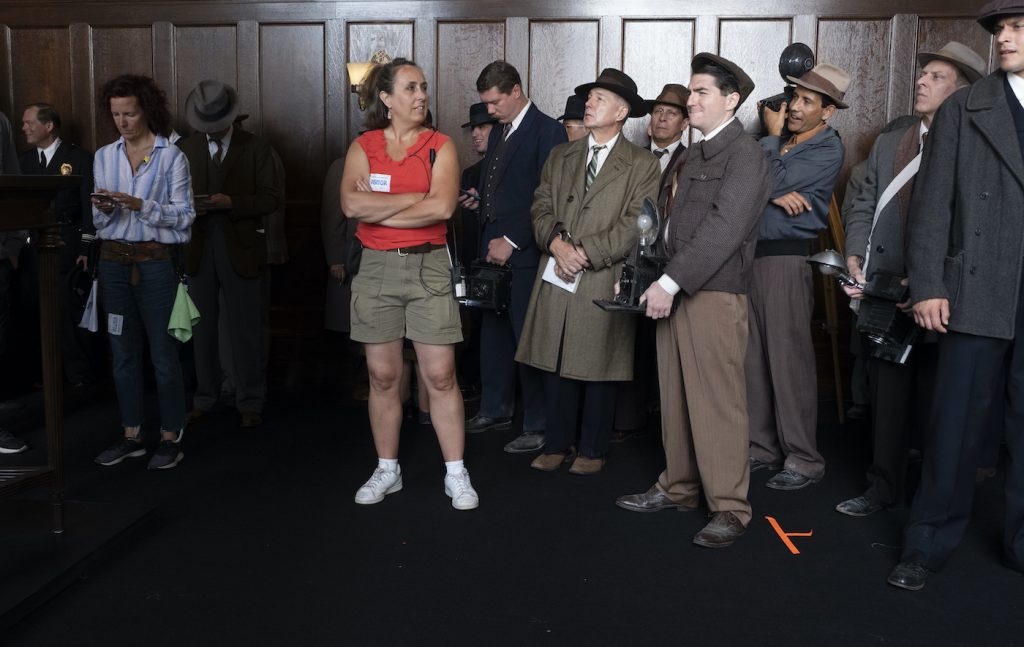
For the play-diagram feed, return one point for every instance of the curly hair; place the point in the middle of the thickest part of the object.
(380, 79)
(151, 98)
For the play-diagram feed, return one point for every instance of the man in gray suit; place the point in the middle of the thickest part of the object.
(876, 222)
(964, 260)
(712, 201)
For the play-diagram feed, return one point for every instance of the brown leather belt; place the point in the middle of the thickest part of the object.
(417, 249)
(126, 253)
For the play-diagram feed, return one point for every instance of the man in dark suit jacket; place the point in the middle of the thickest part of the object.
(898, 390)
(515, 157)
(965, 259)
(51, 155)
(234, 184)
(712, 201)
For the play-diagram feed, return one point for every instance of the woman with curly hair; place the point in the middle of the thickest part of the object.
(400, 184)
(142, 208)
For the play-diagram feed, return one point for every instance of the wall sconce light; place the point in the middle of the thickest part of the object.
(358, 71)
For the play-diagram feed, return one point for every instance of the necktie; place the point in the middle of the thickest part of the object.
(592, 167)
(661, 152)
(506, 130)
(42, 159)
(216, 153)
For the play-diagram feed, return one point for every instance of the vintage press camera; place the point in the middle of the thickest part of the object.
(891, 332)
(641, 268)
(796, 60)
(485, 286)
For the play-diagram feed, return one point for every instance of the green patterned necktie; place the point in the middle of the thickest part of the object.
(592, 167)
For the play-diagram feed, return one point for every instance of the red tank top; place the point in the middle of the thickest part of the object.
(411, 174)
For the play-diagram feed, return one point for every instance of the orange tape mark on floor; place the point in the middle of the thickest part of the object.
(784, 536)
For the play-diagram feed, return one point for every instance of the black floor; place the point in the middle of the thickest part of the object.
(255, 540)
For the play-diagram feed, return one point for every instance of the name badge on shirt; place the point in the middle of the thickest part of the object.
(380, 183)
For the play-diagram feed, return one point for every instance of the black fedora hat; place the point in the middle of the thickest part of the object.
(211, 107)
(479, 116)
(621, 84)
(574, 108)
(746, 85)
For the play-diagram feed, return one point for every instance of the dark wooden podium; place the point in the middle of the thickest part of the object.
(25, 204)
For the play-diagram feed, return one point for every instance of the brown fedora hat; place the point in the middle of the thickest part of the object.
(621, 84)
(743, 80)
(993, 11)
(959, 56)
(211, 107)
(825, 79)
(673, 94)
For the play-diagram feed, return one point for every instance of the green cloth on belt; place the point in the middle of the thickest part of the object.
(184, 315)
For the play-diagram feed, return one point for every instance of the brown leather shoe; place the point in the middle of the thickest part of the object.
(551, 462)
(586, 465)
(250, 419)
(650, 501)
(195, 415)
(723, 530)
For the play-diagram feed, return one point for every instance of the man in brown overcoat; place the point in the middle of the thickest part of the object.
(584, 221)
(712, 198)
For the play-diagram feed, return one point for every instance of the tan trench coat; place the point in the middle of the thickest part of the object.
(598, 345)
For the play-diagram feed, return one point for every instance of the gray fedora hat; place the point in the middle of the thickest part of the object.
(825, 79)
(212, 106)
(959, 56)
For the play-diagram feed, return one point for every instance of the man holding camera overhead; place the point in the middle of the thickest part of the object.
(876, 230)
(781, 379)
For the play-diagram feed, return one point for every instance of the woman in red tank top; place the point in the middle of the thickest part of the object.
(400, 184)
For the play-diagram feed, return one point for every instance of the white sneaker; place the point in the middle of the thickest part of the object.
(458, 487)
(382, 482)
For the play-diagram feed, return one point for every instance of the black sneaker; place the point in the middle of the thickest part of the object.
(122, 449)
(11, 444)
(168, 454)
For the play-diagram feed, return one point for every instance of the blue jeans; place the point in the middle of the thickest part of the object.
(144, 309)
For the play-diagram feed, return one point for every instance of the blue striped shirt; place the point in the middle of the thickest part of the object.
(162, 182)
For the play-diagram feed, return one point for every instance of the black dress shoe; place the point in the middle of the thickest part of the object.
(477, 424)
(756, 465)
(650, 501)
(723, 530)
(860, 506)
(857, 412)
(909, 575)
(790, 480)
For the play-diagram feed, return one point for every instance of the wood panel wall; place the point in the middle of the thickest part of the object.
(287, 60)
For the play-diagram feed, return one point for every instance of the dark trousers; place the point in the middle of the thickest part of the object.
(6, 285)
(565, 397)
(499, 337)
(900, 398)
(633, 398)
(138, 313)
(968, 367)
(782, 386)
(243, 309)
